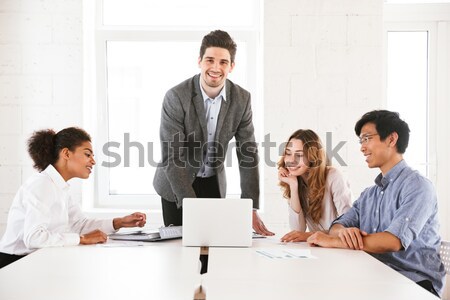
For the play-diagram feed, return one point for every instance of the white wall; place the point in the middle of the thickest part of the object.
(40, 81)
(323, 70)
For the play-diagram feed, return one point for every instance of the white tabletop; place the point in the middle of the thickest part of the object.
(169, 271)
(154, 271)
(333, 274)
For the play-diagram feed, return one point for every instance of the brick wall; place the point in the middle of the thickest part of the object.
(40, 81)
(323, 70)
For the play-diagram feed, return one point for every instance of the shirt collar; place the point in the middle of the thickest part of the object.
(57, 179)
(206, 97)
(391, 175)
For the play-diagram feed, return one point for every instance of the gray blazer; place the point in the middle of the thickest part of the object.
(183, 134)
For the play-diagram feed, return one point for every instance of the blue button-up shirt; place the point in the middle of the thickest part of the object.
(404, 203)
(212, 109)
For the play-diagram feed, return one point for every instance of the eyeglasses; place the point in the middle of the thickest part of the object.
(366, 138)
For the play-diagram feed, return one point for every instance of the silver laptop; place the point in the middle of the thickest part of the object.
(217, 222)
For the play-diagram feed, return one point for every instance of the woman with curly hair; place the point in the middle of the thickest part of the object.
(317, 193)
(42, 213)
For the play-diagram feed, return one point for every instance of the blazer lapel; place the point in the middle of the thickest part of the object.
(223, 111)
(199, 105)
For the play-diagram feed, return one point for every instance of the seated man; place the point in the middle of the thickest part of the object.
(396, 219)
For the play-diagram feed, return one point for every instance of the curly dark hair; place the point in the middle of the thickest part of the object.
(44, 145)
(220, 39)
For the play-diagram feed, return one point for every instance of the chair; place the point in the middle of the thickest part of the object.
(445, 257)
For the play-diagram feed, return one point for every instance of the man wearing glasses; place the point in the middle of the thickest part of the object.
(396, 219)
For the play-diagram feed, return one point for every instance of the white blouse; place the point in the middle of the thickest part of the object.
(44, 215)
(336, 201)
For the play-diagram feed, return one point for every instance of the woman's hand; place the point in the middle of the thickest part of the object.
(94, 237)
(286, 177)
(296, 236)
(136, 219)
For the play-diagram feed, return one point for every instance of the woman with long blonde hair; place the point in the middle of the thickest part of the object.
(317, 193)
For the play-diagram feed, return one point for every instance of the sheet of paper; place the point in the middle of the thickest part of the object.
(276, 253)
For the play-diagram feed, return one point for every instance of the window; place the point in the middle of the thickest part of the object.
(142, 49)
(418, 43)
(407, 90)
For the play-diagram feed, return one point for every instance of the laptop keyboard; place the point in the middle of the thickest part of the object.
(170, 232)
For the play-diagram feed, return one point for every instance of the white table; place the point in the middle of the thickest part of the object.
(155, 271)
(167, 270)
(242, 273)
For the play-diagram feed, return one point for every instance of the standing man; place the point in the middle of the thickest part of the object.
(199, 117)
(396, 220)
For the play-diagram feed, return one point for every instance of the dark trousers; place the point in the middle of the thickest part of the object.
(6, 259)
(426, 284)
(203, 188)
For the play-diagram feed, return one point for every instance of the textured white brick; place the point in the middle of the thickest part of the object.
(361, 177)
(303, 90)
(10, 120)
(67, 90)
(277, 30)
(52, 6)
(19, 89)
(25, 28)
(10, 59)
(10, 6)
(56, 117)
(9, 179)
(311, 30)
(289, 60)
(28, 171)
(67, 29)
(332, 60)
(53, 59)
(331, 90)
(319, 92)
(364, 92)
(274, 96)
(365, 30)
(291, 7)
(5, 203)
(350, 7)
(323, 7)
(66, 6)
(365, 62)
(41, 6)
(12, 150)
(340, 124)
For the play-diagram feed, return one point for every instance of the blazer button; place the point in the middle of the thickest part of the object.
(193, 175)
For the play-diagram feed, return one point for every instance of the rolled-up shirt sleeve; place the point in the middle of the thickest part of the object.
(413, 212)
(351, 218)
(81, 224)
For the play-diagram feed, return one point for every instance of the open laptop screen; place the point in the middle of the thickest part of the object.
(217, 222)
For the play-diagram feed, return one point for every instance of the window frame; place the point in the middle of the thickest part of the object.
(435, 18)
(95, 102)
(423, 17)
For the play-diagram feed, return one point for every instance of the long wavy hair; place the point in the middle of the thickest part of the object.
(312, 191)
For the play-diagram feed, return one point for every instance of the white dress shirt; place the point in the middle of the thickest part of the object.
(44, 215)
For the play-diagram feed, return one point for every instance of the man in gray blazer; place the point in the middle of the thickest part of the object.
(199, 118)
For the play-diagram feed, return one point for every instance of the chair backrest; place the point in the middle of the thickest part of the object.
(445, 255)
